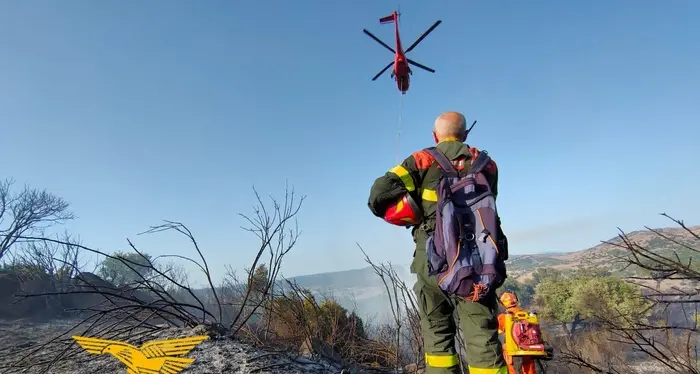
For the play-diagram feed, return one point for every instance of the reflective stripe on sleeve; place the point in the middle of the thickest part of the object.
(429, 195)
(405, 176)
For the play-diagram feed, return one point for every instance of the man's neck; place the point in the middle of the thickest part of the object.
(449, 139)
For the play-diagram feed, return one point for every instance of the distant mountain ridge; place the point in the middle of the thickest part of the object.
(362, 288)
(607, 256)
(362, 277)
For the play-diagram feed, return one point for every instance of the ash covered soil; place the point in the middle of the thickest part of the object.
(22, 341)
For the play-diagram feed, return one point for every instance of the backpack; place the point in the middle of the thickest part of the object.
(524, 336)
(467, 250)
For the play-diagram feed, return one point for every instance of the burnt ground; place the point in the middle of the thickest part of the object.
(215, 355)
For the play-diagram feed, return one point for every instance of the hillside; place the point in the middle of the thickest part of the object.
(606, 256)
(362, 289)
(359, 289)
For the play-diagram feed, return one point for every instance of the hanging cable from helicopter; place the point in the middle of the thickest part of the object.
(402, 70)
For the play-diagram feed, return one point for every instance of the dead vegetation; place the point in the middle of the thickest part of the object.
(400, 343)
(130, 296)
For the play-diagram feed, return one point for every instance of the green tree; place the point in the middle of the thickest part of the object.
(577, 298)
(553, 301)
(540, 274)
(116, 271)
(610, 298)
(525, 292)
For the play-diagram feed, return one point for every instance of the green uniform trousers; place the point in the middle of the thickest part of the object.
(477, 321)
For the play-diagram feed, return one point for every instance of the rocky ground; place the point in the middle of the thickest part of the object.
(215, 355)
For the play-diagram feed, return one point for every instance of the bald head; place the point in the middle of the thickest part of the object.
(450, 125)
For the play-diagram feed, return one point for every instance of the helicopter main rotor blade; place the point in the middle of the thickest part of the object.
(423, 36)
(378, 41)
(383, 70)
(419, 65)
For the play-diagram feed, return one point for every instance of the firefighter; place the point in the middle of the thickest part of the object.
(406, 196)
(511, 303)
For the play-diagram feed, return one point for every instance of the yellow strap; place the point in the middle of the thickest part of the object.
(429, 195)
(501, 370)
(441, 361)
(406, 178)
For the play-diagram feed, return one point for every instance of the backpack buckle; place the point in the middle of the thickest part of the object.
(467, 233)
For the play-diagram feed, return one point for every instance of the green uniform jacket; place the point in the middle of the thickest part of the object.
(418, 174)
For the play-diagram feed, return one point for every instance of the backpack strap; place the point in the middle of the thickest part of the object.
(442, 160)
(480, 163)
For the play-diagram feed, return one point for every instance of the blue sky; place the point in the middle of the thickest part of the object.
(141, 111)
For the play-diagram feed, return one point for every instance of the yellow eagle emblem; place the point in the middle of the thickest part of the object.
(154, 357)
